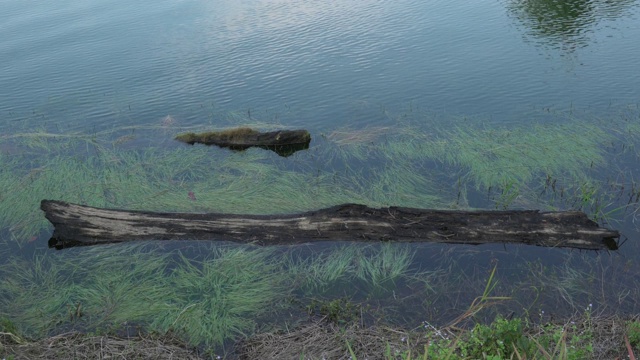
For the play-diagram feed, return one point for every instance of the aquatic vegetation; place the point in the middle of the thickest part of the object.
(565, 285)
(35, 295)
(121, 287)
(341, 270)
(382, 267)
(222, 296)
(100, 288)
(408, 166)
(109, 288)
(500, 155)
(539, 165)
(346, 136)
(169, 180)
(405, 184)
(341, 311)
(325, 271)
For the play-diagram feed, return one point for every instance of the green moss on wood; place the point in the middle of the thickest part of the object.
(225, 136)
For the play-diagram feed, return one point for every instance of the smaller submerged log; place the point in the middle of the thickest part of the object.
(282, 142)
(85, 225)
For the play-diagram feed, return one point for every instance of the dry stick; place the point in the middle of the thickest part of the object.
(629, 348)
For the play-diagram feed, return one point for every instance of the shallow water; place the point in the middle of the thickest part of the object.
(127, 77)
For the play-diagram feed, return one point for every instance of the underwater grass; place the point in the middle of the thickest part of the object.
(575, 284)
(325, 271)
(347, 269)
(383, 267)
(551, 165)
(222, 296)
(35, 295)
(497, 156)
(107, 289)
(406, 166)
(188, 180)
(122, 287)
(96, 289)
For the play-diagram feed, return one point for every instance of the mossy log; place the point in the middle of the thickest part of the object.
(83, 225)
(282, 142)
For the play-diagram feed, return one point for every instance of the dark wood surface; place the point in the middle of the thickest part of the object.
(83, 225)
(282, 142)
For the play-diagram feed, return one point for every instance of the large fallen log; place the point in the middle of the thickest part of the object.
(83, 225)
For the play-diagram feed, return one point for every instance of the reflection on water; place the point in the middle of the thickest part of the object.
(565, 24)
(304, 64)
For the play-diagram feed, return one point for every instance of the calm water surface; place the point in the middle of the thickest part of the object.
(102, 64)
(317, 64)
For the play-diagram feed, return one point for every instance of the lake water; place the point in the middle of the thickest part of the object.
(154, 68)
(318, 64)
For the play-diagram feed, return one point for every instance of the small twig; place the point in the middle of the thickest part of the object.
(15, 338)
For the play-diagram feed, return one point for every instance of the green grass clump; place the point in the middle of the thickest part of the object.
(97, 289)
(323, 272)
(383, 268)
(222, 296)
(36, 295)
(498, 339)
(345, 269)
(633, 333)
(106, 289)
(121, 287)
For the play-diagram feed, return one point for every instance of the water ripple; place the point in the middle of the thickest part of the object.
(317, 57)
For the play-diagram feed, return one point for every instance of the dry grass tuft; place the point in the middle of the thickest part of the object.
(82, 346)
(325, 340)
(607, 334)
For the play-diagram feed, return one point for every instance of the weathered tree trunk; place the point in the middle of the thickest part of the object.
(84, 225)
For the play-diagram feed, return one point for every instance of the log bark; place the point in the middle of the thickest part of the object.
(282, 142)
(83, 225)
